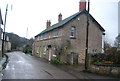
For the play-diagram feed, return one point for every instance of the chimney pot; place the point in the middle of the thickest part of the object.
(59, 17)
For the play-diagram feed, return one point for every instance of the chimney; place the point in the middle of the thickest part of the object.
(82, 5)
(59, 17)
(48, 23)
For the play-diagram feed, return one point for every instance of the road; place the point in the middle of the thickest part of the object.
(22, 66)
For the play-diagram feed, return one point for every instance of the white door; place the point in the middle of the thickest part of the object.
(50, 54)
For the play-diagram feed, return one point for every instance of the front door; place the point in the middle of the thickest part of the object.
(49, 52)
(40, 52)
(75, 58)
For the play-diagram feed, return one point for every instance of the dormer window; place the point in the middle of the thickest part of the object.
(73, 32)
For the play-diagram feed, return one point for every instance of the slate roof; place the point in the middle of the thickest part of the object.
(1, 21)
(67, 20)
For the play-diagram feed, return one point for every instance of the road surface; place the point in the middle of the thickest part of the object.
(22, 66)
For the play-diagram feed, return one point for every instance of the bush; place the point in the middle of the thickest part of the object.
(106, 58)
(5, 64)
(116, 58)
(57, 62)
(98, 58)
(27, 49)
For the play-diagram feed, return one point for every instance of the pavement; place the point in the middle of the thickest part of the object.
(22, 66)
(77, 71)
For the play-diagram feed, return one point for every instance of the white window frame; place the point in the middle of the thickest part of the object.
(56, 33)
(45, 50)
(73, 32)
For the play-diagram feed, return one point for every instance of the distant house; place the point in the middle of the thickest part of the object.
(7, 44)
(1, 23)
(66, 40)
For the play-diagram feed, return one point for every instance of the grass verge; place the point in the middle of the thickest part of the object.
(6, 62)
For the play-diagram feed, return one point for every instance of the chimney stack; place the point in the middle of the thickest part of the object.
(48, 23)
(59, 17)
(82, 5)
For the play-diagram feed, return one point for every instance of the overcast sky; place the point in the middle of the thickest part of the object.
(33, 14)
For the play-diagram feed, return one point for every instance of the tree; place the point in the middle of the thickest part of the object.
(16, 41)
(107, 46)
(117, 41)
(28, 46)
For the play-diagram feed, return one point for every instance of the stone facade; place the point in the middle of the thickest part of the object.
(67, 48)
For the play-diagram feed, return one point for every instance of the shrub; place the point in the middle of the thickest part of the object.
(106, 58)
(57, 62)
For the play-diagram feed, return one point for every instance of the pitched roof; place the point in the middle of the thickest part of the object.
(67, 20)
(1, 21)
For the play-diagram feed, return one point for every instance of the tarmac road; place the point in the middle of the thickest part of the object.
(22, 66)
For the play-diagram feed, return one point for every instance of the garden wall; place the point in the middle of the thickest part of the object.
(105, 70)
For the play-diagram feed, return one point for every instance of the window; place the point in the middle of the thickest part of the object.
(73, 32)
(45, 49)
(55, 33)
(78, 18)
(40, 37)
(37, 38)
(45, 36)
(94, 51)
(49, 36)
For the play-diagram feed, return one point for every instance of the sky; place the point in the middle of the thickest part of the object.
(30, 16)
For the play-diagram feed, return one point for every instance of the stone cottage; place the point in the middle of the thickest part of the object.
(66, 40)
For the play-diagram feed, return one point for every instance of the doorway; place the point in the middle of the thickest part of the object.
(49, 52)
(75, 58)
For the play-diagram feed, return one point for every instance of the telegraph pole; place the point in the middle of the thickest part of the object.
(3, 41)
(87, 33)
(27, 33)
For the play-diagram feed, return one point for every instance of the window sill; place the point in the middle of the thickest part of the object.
(72, 37)
(55, 36)
(54, 55)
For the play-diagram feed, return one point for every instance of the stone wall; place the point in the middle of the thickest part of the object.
(105, 70)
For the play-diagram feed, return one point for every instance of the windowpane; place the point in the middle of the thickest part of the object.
(56, 33)
(73, 32)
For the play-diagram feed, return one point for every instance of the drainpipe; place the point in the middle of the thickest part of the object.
(87, 33)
